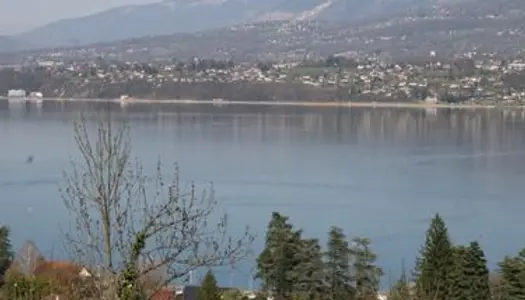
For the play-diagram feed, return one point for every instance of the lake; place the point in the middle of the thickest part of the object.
(376, 172)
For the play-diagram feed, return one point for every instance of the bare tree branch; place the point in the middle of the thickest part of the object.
(126, 228)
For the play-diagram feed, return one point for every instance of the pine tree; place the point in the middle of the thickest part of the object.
(276, 265)
(459, 280)
(338, 273)
(416, 272)
(469, 279)
(6, 251)
(480, 287)
(435, 262)
(208, 289)
(367, 274)
(309, 271)
(512, 270)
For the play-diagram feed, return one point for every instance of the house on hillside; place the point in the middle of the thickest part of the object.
(163, 294)
(70, 281)
(61, 268)
(181, 292)
(68, 277)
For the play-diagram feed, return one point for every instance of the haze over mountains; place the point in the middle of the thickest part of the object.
(190, 16)
(174, 16)
(10, 44)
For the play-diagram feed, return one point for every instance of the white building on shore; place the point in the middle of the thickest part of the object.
(16, 95)
(37, 97)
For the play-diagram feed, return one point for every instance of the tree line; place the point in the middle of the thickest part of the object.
(292, 266)
(136, 242)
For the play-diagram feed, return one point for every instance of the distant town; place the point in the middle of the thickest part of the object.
(468, 52)
(471, 78)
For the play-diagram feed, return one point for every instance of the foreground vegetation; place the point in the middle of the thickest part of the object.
(133, 243)
(292, 266)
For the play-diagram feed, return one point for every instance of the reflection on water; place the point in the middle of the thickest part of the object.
(377, 172)
(323, 123)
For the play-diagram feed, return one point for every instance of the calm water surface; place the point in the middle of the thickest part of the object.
(381, 173)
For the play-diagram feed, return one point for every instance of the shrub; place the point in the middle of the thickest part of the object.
(21, 287)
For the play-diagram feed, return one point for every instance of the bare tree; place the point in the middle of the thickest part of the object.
(132, 226)
(27, 259)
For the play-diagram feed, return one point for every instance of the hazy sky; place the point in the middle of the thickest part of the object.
(20, 15)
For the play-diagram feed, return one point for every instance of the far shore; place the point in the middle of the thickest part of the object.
(420, 105)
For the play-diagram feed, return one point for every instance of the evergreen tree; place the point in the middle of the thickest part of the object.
(337, 267)
(512, 270)
(416, 272)
(367, 274)
(277, 263)
(469, 279)
(460, 276)
(435, 262)
(309, 270)
(480, 286)
(6, 251)
(208, 289)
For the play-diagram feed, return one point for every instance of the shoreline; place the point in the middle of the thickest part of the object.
(419, 105)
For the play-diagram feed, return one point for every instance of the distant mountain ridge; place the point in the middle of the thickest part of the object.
(178, 21)
(186, 16)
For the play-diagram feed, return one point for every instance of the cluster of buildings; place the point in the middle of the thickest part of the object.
(481, 80)
(20, 95)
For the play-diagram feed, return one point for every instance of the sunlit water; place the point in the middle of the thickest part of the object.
(380, 173)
